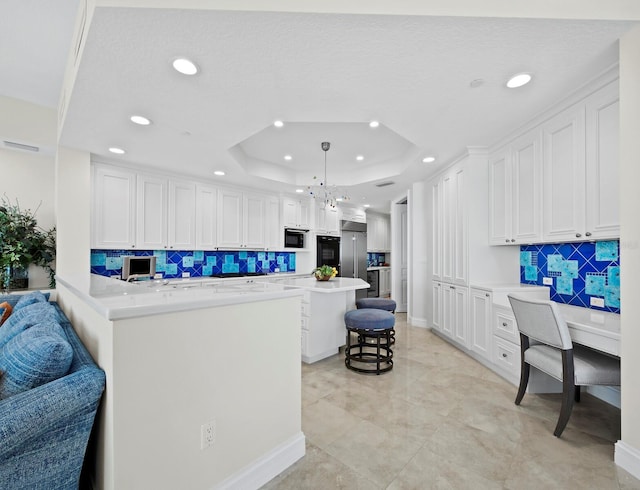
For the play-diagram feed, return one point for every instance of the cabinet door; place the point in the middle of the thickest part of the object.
(602, 162)
(114, 208)
(526, 186)
(272, 229)
(436, 305)
(500, 198)
(448, 226)
(480, 321)
(290, 213)
(448, 309)
(253, 221)
(181, 226)
(564, 176)
(386, 234)
(460, 324)
(305, 214)
(332, 217)
(229, 219)
(151, 213)
(206, 204)
(436, 230)
(460, 238)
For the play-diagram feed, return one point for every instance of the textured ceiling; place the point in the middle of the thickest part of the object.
(412, 73)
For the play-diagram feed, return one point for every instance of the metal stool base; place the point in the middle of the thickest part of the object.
(371, 348)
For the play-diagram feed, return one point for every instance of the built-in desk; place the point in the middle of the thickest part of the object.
(596, 329)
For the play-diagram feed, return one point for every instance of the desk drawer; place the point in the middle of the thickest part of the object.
(507, 356)
(504, 325)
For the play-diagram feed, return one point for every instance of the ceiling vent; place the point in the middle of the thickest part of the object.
(20, 146)
(385, 184)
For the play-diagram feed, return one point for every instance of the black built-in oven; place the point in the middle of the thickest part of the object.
(328, 251)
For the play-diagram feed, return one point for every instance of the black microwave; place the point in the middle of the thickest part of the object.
(294, 238)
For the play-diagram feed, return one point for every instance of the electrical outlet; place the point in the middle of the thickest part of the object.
(186, 274)
(158, 275)
(207, 434)
(547, 281)
(599, 302)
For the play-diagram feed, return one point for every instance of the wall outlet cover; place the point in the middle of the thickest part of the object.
(158, 275)
(548, 281)
(599, 302)
(207, 434)
(186, 274)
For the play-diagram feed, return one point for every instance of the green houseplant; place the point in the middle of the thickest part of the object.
(22, 243)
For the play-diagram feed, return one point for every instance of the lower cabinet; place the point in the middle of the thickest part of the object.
(480, 322)
(506, 342)
(450, 304)
(384, 284)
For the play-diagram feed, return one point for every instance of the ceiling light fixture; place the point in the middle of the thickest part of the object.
(117, 151)
(141, 120)
(374, 124)
(429, 159)
(287, 157)
(299, 191)
(185, 66)
(367, 205)
(278, 124)
(218, 172)
(330, 195)
(359, 158)
(519, 80)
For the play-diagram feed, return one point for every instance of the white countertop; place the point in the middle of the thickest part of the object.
(378, 267)
(116, 299)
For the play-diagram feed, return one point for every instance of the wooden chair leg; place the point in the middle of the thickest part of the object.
(524, 369)
(568, 391)
(577, 397)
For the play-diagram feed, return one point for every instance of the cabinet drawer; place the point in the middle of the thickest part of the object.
(506, 355)
(504, 325)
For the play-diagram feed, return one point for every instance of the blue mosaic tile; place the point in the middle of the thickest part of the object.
(198, 256)
(113, 263)
(525, 259)
(375, 259)
(98, 259)
(161, 256)
(171, 269)
(207, 270)
(579, 271)
(187, 261)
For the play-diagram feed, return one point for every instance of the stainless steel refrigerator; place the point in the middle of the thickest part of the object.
(353, 252)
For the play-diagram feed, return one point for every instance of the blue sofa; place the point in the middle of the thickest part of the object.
(44, 429)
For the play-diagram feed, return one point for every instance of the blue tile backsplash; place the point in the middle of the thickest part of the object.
(579, 271)
(375, 259)
(196, 262)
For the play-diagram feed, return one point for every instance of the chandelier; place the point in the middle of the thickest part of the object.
(329, 195)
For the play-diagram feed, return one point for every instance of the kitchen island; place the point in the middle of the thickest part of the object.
(179, 360)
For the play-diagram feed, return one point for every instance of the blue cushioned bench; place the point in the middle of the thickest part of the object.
(371, 352)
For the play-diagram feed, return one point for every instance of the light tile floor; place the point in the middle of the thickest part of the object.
(440, 419)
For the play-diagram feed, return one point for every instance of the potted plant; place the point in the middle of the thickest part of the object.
(324, 272)
(22, 243)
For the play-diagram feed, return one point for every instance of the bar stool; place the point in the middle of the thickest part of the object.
(373, 346)
(386, 304)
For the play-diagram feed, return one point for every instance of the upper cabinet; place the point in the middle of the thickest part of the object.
(151, 225)
(296, 213)
(515, 183)
(378, 233)
(559, 181)
(273, 232)
(241, 219)
(114, 208)
(206, 217)
(181, 225)
(327, 220)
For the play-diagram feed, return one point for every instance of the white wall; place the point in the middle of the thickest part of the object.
(419, 303)
(628, 450)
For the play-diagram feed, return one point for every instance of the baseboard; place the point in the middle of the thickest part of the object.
(628, 458)
(266, 467)
(608, 394)
(417, 322)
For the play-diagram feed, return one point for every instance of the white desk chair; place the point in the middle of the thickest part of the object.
(553, 353)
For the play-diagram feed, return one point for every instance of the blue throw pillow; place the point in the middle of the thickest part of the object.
(24, 318)
(34, 357)
(31, 298)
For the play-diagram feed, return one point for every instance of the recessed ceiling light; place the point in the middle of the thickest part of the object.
(299, 191)
(519, 80)
(429, 159)
(218, 172)
(287, 157)
(374, 124)
(117, 151)
(278, 124)
(339, 199)
(367, 205)
(478, 82)
(359, 158)
(141, 120)
(185, 66)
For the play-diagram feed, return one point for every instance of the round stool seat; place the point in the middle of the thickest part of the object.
(369, 319)
(377, 303)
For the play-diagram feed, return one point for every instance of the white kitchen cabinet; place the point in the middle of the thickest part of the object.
(454, 228)
(378, 233)
(206, 205)
(354, 214)
(602, 164)
(327, 220)
(151, 222)
(241, 220)
(114, 208)
(181, 224)
(480, 320)
(384, 282)
(454, 313)
(436, 230)
(436, 305)
(564, 176)
(296, 213)
(273, 231)
(515, 186)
